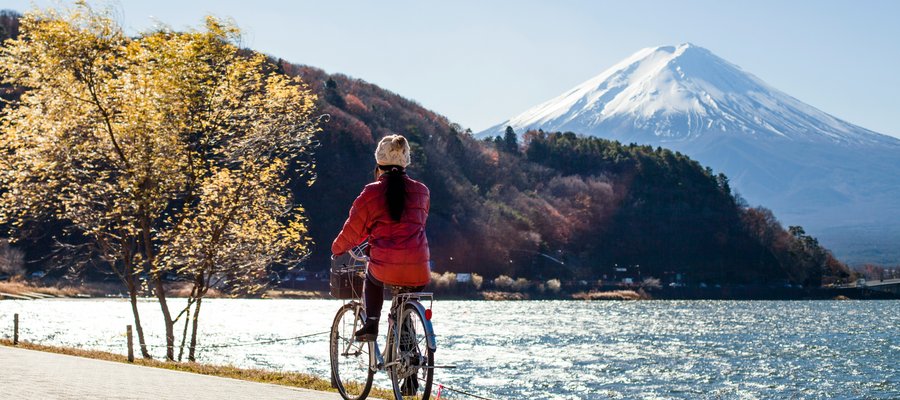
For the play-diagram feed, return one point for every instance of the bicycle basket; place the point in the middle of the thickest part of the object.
(347, 278)
(346, 283)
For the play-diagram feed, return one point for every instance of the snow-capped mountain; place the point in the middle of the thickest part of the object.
(679, 94)
(808, 166)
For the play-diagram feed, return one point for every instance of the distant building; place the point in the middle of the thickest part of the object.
(302, 276)
(463, 278)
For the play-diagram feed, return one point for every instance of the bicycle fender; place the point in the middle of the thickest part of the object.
(429, 334)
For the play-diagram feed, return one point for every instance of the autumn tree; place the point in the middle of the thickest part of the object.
(68, 145)
(243, 223)
(127, 139)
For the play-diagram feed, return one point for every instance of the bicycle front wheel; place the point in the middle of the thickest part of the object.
(413, 361)
(351, 374)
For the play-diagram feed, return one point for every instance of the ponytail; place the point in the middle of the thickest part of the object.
(396, 190)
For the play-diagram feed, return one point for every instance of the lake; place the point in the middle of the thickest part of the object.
(547, 349)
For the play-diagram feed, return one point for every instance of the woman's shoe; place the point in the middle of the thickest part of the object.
(369, 331)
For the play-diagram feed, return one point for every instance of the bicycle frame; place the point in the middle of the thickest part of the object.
(398, 303)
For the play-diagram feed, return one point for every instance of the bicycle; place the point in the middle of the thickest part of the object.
(408, 356)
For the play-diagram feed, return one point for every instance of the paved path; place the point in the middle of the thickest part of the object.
(28, 374)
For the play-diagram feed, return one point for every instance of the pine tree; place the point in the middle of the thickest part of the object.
(510, 140)
(332, 95)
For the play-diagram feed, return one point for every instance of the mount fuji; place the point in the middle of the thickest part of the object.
(838, 180)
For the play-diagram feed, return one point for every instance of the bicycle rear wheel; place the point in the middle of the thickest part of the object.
(412, 372)
(350, 371)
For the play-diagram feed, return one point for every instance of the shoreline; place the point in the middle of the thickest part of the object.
(29, 291)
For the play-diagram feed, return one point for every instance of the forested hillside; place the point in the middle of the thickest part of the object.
(556, 206)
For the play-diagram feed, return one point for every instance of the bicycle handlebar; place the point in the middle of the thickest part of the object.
(358, 253)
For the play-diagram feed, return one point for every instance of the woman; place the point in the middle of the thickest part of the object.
(391, 214)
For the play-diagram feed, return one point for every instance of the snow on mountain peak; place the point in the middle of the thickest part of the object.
(681, 93)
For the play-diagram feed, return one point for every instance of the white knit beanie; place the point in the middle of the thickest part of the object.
(393, 150)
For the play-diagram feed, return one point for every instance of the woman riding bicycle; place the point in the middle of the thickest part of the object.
(391, 214)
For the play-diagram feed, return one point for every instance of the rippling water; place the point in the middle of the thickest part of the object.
(550, 349)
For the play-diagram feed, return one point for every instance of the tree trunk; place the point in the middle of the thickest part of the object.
(187, 317)
(193, 347)
(132, 294)
(157, 277)
(167, 319)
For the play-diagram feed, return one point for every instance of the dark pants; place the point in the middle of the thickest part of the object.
(373, 296)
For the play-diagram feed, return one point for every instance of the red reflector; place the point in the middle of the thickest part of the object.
(428, 314)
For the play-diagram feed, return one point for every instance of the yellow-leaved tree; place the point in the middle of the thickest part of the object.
(169, 151)
(226, 240)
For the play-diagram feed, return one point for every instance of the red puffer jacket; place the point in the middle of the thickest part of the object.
(398, 249)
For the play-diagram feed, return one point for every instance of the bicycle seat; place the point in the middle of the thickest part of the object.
(395, 290)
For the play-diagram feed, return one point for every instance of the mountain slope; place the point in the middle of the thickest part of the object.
(810, 167)
(501, 209)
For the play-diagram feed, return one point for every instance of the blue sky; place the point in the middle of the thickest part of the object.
(480, 62)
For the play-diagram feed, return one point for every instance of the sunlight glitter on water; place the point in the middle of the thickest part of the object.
(549, 349)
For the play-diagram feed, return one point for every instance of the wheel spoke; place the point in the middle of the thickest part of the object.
(349, 357)
(413, 356)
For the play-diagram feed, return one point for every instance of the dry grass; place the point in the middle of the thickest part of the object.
(92, 289)
(296, 294)
(20, 288)
(504, 295)
(183, 289)
(294, 379)
(611, 295)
